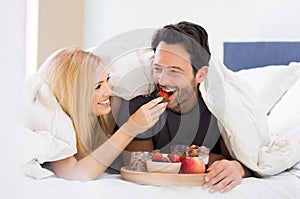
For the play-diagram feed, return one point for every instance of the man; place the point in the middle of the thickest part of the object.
(180, 64)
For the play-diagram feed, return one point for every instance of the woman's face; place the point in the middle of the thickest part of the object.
(102, 95)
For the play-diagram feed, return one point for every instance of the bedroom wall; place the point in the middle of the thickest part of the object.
(231, 20)
(59, 25)
(277, 20)
(12, 41)
(115, 17)
(51, 25)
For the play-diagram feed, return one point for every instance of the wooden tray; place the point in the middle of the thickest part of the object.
(162, 179)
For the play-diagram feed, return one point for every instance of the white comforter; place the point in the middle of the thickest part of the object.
(261, 152)
(244, 127)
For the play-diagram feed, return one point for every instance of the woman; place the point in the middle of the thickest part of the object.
(68, 107)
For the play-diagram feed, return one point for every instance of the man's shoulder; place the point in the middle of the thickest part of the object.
(135, 103)
(139, 100)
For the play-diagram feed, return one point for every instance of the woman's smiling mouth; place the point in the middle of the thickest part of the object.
(104, 103)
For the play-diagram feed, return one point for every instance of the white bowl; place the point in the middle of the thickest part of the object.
(163, 167)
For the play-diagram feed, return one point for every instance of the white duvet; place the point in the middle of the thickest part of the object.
(247, 132)
(244, 127)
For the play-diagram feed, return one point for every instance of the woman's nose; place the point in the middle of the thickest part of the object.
(107, 89)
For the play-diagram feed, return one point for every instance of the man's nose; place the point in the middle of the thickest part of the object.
(163, 78)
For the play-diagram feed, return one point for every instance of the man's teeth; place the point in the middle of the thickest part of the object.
(104, 102)
(170, 91)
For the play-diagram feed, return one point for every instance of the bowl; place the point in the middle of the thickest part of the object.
(163, 167)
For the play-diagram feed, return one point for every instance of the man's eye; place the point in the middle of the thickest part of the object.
(157, 69)
(174, 71)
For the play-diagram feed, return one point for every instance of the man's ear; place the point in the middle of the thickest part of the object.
(201, 74)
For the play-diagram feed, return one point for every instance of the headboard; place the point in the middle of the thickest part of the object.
(244, 55)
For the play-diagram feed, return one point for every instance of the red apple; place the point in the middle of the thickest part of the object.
(193, 165)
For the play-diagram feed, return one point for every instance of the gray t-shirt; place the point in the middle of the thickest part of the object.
(197, 127)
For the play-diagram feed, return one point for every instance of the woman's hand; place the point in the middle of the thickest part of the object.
(145, 117)
(224, 175)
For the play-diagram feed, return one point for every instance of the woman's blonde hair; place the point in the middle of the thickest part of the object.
(71, 75)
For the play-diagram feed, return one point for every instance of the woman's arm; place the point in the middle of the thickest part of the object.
(93, 165)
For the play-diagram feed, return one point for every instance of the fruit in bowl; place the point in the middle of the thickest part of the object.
(196, 157)
(193, 165)
(163, 167)
(198, 151)
(193, 161)
(164, 163)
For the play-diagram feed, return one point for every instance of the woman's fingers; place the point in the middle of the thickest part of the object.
(148, 114)
(153, 103)
(158, 107)
(158, 110)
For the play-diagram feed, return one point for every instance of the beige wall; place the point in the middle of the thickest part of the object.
(60, 25)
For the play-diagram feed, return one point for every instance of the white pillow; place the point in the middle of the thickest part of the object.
(130, 69)
(271, 82)
(284, 119)
(131, 74)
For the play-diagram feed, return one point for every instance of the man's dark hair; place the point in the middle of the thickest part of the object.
(191, 36)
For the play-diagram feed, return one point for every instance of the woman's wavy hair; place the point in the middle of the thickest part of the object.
(71, 75)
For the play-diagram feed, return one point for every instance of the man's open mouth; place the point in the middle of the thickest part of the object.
(169, 91)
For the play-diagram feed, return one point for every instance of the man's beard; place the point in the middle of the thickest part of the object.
(184, 94)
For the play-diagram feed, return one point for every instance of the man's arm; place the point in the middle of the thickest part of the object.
(247, 172)
(224, 172)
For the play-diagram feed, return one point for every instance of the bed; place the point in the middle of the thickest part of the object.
(245, 55)
(251, 60)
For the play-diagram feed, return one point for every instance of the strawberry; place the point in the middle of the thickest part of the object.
(163, 94)
(158, 157)
(182, 157)
(174, 157)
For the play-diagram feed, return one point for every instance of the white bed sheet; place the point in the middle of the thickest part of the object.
(282, 186)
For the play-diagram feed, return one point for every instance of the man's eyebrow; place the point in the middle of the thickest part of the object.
(157, 65)
(173, 67)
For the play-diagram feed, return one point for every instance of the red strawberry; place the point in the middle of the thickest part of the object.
(174, 157)
(182, 157)
(157, 156)
(163, 94)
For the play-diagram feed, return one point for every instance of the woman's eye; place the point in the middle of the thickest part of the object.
(98, 86)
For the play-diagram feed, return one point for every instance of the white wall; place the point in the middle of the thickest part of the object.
(12, 40)
(230, 20)
(277, 20)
